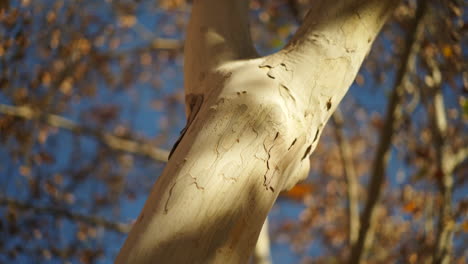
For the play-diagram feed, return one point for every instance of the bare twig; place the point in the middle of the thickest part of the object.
(59, 212)
(350, 175)
(386, 135)
(110, 140)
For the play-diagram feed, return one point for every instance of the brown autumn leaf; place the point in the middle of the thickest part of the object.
(410, 207)
(299, 191)
(44, 158)
(465, 226)
(360, 79)
(25, 171)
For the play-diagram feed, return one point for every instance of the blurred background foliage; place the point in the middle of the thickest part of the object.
(91, 99)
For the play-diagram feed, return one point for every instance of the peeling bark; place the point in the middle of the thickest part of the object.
(252, 135)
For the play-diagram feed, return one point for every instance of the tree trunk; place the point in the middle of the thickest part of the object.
(252, 124)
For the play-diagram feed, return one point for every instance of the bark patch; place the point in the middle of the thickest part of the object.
(267, 179)
(166, 205)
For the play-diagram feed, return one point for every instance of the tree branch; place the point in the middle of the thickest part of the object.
(340, 33)
(155, 44)
(217, 161)
(91, 220)
(350, 175)
(446, 160)
(321, 61)
(218, 32)
(110, 140)
(377, 179)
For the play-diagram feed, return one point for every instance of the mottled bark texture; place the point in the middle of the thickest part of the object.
(259, 120)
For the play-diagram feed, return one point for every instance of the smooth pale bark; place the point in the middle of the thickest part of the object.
(352, 183)
(252, 124)
(262, 253)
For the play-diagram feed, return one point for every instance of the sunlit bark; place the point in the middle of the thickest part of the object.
(252, 124)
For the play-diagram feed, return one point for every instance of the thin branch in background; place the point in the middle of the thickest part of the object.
(350, 176)
(154, 44)
(110, 140)
(446, 161)
(59, 212)
(443, 248)
(377, 179)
